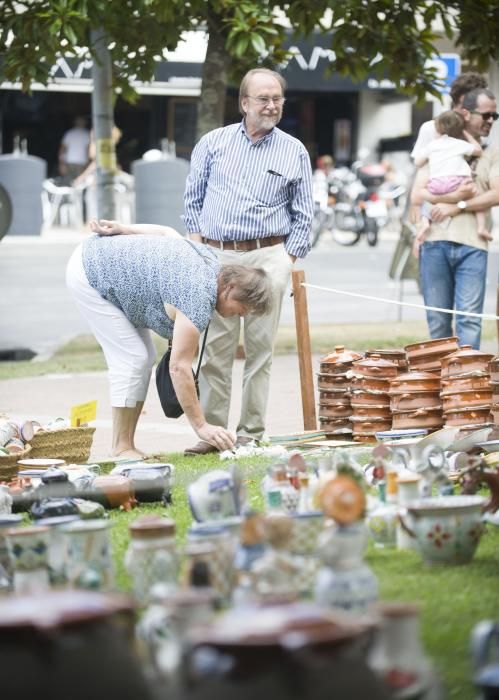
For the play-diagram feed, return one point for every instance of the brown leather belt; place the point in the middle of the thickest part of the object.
(253, 244)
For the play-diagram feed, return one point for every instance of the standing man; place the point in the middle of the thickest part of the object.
(453, 258)
(73, 150)
(249, 196)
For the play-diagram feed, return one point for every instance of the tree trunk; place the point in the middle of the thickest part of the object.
(211, 106)
(102, 118)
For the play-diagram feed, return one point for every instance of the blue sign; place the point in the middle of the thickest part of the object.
(448, 67)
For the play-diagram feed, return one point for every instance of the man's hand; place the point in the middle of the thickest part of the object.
(219, 437)
(439, 212)
(107, 228)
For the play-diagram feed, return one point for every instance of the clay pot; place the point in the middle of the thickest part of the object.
(421, 418)
(333, 425)
(465, 399)
(70, 643)
(370, 427)
(439, 346)
(414, 382)
(333, 381)
(113, 491)
(428, 364)
(376, 367)
(396, 355)
(326, 399)
(494, 369)
(494, 411)
(333, 394)
(335, 410)
(369, 384)
(465, 360)
(369, 398)
(473, 416)
(457, 385)
(372, 412)
(415, 400)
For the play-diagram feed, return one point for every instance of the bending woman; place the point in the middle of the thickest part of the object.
(125, 285)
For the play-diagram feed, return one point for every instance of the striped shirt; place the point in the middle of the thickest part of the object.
(238, 190)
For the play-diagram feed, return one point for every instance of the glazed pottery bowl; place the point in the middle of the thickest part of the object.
(447, 529)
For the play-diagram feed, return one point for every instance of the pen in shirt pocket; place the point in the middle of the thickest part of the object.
(273, 172)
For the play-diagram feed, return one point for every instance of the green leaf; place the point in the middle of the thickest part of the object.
(258, 44)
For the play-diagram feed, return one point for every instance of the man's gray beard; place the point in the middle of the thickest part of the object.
(270, 122)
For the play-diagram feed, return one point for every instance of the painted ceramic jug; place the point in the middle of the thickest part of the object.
(29, 556)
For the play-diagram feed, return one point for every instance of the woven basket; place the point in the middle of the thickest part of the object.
(8, 463)
(70, 444)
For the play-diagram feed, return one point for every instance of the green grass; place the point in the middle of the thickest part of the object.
(453, 598)
(82, 354)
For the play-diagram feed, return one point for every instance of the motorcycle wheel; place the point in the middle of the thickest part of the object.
(372, 232)
(347, 238)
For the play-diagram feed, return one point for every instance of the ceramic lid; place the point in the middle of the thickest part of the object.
(431, 345)
(395, 353)
(341, 355)
(151, 526)
(466, 351)
(375, 361)
(49, 610)
(414, 377)
(342, 499)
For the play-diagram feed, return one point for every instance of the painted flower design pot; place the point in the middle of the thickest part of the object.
(447, 529)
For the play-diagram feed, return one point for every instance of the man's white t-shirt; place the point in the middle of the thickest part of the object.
(76, 143)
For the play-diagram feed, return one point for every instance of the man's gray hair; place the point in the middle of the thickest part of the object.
(252, 286)
(243, 88)
(470, 100)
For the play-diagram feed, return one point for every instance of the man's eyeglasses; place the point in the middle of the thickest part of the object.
(265, 100)
(486, 115)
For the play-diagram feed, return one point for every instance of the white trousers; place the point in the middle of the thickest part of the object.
(259, 333)
(129, 351)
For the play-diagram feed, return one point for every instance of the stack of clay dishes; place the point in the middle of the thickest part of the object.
(334, 392)
(494, 384)
(371, 412)
(466, 390)
(396, 355)
(426, 356)
(415, 401)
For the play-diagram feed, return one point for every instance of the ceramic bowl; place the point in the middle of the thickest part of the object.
(447, 529)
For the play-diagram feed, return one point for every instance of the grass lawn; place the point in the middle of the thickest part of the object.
(82, 354)
(453, 598)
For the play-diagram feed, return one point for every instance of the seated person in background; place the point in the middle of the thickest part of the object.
(73, 150)
(448, 167)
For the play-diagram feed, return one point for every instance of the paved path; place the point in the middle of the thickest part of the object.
(48, 397)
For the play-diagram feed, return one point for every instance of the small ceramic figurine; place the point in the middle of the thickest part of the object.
(274, 573)
(344, 579)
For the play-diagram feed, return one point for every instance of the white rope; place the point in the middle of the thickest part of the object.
(488, 317)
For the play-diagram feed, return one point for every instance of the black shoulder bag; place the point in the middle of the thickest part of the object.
(167, 396)
(164, 385)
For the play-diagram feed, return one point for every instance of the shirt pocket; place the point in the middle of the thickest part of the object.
(271, 188)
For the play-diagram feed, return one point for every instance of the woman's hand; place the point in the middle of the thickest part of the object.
(107, 228)
(221, 438)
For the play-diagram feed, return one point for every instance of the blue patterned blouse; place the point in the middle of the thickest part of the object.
(140, 273)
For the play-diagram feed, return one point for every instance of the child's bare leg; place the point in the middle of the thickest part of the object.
(423, 229)
(482, 229)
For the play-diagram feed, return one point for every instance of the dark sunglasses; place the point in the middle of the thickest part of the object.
(487, 115)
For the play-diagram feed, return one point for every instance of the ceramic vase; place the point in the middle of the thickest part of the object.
(89, 563)
(151, 557)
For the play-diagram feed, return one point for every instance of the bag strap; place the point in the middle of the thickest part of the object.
(196, 373)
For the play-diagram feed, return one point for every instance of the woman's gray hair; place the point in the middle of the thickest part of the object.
(252, 286)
